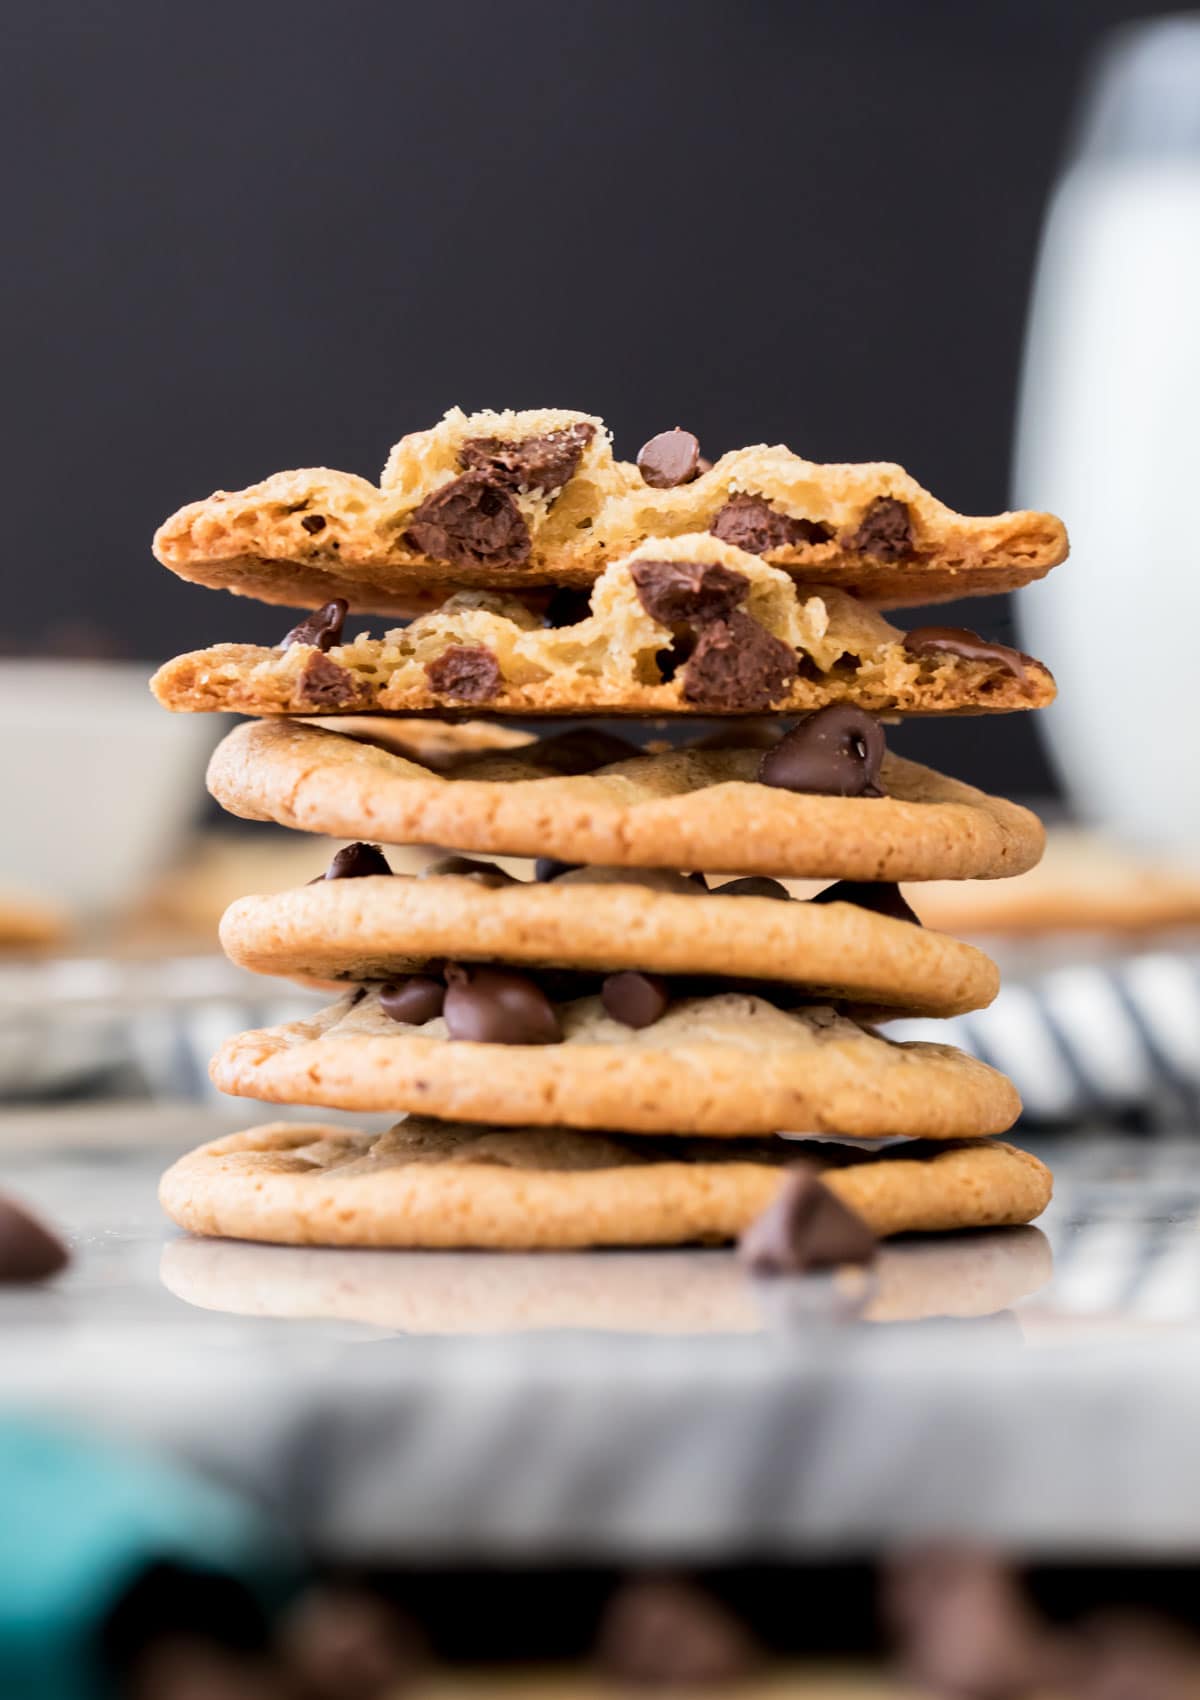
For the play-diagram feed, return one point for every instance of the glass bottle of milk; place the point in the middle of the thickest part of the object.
(1109, 437)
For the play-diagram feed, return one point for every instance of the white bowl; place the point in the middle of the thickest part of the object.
(98, 782)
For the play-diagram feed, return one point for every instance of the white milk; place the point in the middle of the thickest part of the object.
(1109, 437)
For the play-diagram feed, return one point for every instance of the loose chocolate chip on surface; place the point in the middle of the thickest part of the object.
(957, 640)
(313, 523)
(566, 607)
(835, 752)
(537, 463)
(466, 674)
(28, 1251)
(470, 522)
(322, 628)
(582, 751)
(486, 873)
(670, 459)
(547, 868)
(323, 684)
(805, 1227)
(752, 524)
(356, 862)
(738, 666)
(675, 592)
(635, 1000)
(415, 1000)
(885, 531)
(658, 1632)
(754, 885)
(880, 896)
(494, 1006)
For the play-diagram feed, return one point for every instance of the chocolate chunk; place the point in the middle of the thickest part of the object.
(313, 523)
(635, 1000)
(885, 531)
(661, 1633)
(670, 459)
(322, 628)
(537, 463)
(415, 1000)
(566, 607)
(470, 522)
(466, 674)
(494, 1006)
(547, 868)
(754, 885)
(957, 640)
(582, 751)
(356, 862)
(485, 873)
(738, 666)
(752, 524)
(835, 752)
(805, 1227)
(691, 592)
(880, 896)
(323, 684)
(28, 1250)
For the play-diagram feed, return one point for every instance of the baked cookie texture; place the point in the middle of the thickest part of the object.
(689, 625)
(429, 1184)
(519, 499)
(730, 1065)
(698, 808)
(377, 927)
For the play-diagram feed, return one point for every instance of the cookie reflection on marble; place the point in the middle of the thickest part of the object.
(658, 1292)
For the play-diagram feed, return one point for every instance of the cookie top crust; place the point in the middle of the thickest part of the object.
(380, 927)
(433, 1184)
(685, 626)
(730, 1065)
(583, 798)
(522, 499)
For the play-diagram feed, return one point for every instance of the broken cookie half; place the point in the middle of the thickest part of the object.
(517, 500)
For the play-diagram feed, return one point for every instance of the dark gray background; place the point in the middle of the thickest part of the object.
(249, 236)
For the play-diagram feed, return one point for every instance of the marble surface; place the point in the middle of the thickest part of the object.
(1038, 1388)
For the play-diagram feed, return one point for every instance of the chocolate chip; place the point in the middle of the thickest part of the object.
(692, 592)
(547, 868)
(415, 1000)
(28, 1250)
(957, 640)
(752, 524)
(660, 1633)
(485, 873)
(466, 674)
(635, 1000)
(754, 885)
(537, 463)
(836, 752)
(356, 862)
(322, 628)
(470, 522)
(885, 531)
(313, 523)
(494, 1006)
(880, 896)
(738, 666)
(670, 459)
(323, 684)
(806, 1226)
(566, 607)
(583, 751)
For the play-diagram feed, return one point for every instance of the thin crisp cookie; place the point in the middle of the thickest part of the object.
(687, 625)
(433, 1184)
(584, 798)
(522, 499)
(728, 1065)
(378, 928)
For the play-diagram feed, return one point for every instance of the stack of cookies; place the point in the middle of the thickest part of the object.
(601, 1044)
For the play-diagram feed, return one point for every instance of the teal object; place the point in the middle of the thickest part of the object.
(79, 1521)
